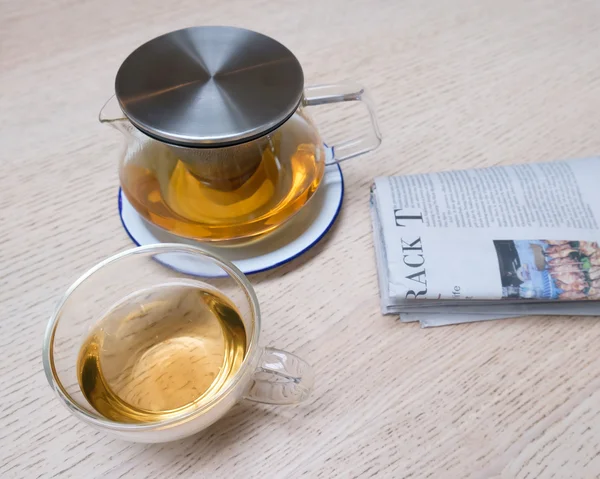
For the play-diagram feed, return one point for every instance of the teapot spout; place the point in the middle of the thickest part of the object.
(111, 114)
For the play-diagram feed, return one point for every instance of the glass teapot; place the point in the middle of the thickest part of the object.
(219, 145)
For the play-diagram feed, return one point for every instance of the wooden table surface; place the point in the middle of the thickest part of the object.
(457, 84)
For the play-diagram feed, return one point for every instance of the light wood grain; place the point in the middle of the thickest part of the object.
(457, 84)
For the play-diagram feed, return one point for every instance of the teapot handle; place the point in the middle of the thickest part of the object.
(325, 94)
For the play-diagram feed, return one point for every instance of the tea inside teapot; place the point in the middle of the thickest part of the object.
(228, 192)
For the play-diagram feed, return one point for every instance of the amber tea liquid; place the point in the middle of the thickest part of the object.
(242, 192)
(161, 352)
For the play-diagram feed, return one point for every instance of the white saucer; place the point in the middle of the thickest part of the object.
(298, 235)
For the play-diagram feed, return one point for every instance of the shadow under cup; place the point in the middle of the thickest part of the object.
(266, 375)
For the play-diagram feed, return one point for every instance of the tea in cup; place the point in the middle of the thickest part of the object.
(151, 354)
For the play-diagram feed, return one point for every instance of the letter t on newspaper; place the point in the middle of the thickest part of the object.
(471, 245)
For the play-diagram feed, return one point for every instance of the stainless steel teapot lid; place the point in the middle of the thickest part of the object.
(209, 86)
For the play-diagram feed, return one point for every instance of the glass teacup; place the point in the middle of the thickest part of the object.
(154, 353)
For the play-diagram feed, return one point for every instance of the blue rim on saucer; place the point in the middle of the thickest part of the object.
(303, 231)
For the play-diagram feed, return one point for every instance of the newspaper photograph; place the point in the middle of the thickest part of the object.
(549, 269)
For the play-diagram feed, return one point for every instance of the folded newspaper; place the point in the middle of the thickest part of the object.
(472, 245)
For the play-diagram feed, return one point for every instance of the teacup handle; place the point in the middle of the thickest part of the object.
(324, 94)
(280, 378)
